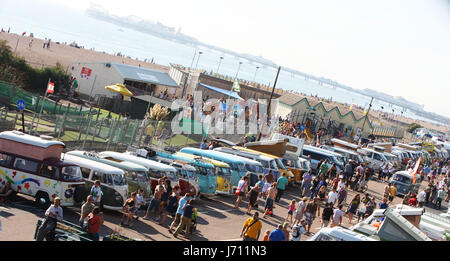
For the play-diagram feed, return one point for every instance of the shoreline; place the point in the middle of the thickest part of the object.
(39, 57)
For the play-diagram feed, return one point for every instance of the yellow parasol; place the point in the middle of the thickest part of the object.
(119, 88)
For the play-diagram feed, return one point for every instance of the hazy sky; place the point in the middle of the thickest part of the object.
(399, 47)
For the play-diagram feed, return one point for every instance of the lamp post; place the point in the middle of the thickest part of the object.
(254, 77)
(193, 58)
(198, 58)
(220, 61)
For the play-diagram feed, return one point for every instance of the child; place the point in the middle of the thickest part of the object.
(362, 211)
(291, 211)
(266, 235)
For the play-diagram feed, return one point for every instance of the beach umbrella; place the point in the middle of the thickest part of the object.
(119, 88)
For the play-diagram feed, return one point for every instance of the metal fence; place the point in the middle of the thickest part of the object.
(94, 131)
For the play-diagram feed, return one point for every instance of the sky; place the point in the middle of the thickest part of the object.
(399, 47)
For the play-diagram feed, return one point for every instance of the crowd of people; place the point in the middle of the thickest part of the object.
(328, 192)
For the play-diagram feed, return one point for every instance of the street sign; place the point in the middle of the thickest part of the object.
(21, 104)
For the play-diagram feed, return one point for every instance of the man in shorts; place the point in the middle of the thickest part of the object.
(156, 200)
(271, 194)
(268, 180)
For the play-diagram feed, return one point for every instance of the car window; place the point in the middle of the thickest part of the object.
(401, 178)
(5, 160)
(85, 172)
(377, 157)
(98, 176)
(26, 165)
(49, 171)
(71, 173)
(119, 180)
(107, 179)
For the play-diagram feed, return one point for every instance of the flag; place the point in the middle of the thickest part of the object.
(416, 167)
(50, 87)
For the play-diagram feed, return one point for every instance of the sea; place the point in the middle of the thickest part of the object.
(89, 32)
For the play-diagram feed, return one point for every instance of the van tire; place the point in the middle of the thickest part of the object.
(42, 195)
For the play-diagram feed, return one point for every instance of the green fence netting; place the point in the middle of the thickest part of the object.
(34, 102)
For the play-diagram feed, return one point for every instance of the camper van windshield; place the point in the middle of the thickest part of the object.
(171, 175)
(71, 173)
(402, 179)
(141, 176)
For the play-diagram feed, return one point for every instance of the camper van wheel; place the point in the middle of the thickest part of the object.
(42, 200)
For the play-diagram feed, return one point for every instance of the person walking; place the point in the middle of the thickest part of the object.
(271, 194)
(306, 184)
(441, 194)
(420, 198)
(180, 211)
(392, 192)
(139, 201)
(268, 180)
(300, 210)
(342, 195)
(314, 187)
(387, 191)
(297, 231)
(406, 198)
(95, 219)
(362, 211)
(260, 184)
(285, 230)
(310, 213)
(290, 211)
(370, 206)
(323, 168)
(240, 191)
(171, 207)
(86, 209)
(253, 198)
(129, 210)
(413, 201)
(384, 204)
(353, 207)
(252, 228)
(277, 234)
(156, 200)
(326, 214)
(186, 219)
(332, 197)
(337, 216)
(97, 193)
(281, 186)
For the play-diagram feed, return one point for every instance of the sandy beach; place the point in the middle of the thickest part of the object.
(39, 57)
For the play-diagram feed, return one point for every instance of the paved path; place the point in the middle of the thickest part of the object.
(217, 221)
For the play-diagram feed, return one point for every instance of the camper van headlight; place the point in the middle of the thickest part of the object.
(118, 197)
